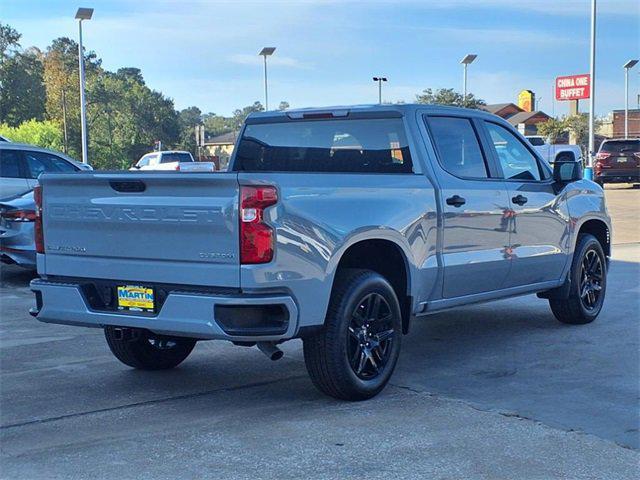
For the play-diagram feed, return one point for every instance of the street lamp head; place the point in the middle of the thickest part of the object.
(267, 51)
(379, 79)
(84, 14)
(630, 64)
(469, 58)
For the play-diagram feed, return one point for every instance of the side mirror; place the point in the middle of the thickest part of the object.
(567, 171)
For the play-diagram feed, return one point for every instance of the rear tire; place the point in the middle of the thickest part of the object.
(145, 350)
(588, 277)
(354, 355)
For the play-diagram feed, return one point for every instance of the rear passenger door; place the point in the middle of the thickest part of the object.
(12, 174)
(475, 204)
(539, 227)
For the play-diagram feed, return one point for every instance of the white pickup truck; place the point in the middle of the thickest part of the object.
(164, 160)
(551, 152)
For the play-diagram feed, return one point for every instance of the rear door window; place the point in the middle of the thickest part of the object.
(356, 146)
(10, 164)
(39, 162)
(458, 148)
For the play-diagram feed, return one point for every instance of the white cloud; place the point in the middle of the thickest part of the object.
(276, 60)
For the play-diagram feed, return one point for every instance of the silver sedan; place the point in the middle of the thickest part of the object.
(17, 244)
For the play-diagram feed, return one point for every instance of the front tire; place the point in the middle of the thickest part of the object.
(145, 350)
(353, 357)
(588, 277)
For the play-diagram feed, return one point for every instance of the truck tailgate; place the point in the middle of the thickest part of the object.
(164, 227)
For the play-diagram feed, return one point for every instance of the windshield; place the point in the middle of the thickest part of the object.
(364, 146)
(147, 160)
(624, 146)
(176, 157)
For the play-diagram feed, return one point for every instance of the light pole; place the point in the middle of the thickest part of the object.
(266, 52)
(627, 66)
(83, 14)
(588, 172)
(467, 60)
(380, 80)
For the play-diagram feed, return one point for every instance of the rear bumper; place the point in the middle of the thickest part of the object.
(182, 314)
(619, 176)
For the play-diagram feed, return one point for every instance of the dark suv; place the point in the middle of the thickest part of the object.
(618, 161)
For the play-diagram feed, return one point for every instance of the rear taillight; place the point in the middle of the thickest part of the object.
(602, 155)
(256, 237)
(38, 231)
(19, 215)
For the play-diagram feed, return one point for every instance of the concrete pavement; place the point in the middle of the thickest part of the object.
(500, 390)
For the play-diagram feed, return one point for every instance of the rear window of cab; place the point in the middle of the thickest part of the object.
(621, 146)
(349, 146)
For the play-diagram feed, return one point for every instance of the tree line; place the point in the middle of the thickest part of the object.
(40, 104)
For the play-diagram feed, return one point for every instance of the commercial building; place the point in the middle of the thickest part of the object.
(220, 148)
(525, 121)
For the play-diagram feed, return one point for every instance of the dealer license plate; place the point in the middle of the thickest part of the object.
(136, 298)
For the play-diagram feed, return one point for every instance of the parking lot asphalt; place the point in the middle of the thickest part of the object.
(500, 390)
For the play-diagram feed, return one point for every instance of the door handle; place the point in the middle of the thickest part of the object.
(456, 201)
(520, 200)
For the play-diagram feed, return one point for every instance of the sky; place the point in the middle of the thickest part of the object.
(205, 53)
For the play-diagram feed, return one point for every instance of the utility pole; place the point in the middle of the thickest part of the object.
(380, 80)
(627, 66)
(466, 61)
(592, 75)
(83, 14)
(64, 121)
(266, 52)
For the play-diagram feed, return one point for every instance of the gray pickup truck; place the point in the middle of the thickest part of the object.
(338, 226)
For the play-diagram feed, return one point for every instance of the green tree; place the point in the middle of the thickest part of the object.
(61, 86)
(9, 41)
(578, 126)
(45, 133)
(130, 73)
(217, 124)
(125, 118)
(21, 80)
(283, 105)
(241, 114)
(188, 118)
(448, 96)
(552, 129)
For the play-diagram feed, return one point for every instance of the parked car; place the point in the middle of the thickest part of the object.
(340, 226)
(17, 220)
(554, 152)
(163, 160)
(618, 161)
(20, 165)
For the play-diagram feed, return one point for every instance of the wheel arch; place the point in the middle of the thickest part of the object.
(598, 229)
(386, 257)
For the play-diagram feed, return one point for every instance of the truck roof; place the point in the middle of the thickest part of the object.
(366, 111)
